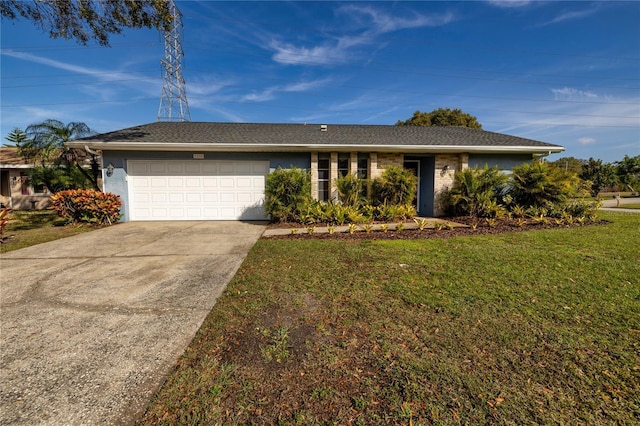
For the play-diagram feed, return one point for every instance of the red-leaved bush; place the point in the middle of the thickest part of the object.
(87, 205)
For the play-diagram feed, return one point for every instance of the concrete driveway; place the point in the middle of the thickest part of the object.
(90, 325)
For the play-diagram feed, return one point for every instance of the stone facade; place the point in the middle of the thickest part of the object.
(446, 165)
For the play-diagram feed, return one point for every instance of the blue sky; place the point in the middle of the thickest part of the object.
(561, 72)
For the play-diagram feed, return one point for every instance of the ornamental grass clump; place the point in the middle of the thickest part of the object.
(87, 206)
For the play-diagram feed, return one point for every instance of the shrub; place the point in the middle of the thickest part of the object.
(87, 205)
(538, 185)
(396, 186)
(478, 192)
(4, 219)
(285, 191)
(352, 191)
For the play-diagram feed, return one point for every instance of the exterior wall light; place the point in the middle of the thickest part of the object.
(110, 169)
(445, 169)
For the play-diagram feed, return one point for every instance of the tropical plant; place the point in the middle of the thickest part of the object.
(352, 191)
(477, 192)
(58, 167)
(538, 185)
(4, 219)
(396, 186)
(88, 206)
(285, 191)
(422, 223)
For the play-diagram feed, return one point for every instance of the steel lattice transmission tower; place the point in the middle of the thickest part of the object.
(173, 102)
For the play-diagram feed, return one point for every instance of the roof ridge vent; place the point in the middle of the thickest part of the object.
(323, 127)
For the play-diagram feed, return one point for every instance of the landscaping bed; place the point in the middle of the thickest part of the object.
(460, 226)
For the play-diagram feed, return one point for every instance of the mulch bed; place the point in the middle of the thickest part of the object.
(482, 228)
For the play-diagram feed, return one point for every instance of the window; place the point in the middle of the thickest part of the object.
(323, 177)
(24, 184)
(363, 166)
(343, 164)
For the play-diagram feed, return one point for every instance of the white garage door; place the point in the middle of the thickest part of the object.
(196, 190)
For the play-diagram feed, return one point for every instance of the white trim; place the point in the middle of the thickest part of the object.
(173, 146)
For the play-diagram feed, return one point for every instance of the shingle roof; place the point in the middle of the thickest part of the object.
(9, 158)
(283, 135)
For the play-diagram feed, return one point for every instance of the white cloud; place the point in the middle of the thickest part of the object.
(287, 53)
(570, 93)
(270, 92)
(383, 23)
(373, 23)
(586, 141)
(509, 3)
(572, 15)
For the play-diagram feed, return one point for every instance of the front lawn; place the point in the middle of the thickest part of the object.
(535, 327)
(30, 227)
(630, 206)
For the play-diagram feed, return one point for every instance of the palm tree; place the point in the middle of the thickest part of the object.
(45, 146)
(45, 141)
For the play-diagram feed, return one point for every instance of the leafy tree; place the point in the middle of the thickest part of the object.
(16, 137)
(58, 167)
(628, 171)
(442, 117)
(601, 175)
(83, 20)
(539, 185)
(569, 164)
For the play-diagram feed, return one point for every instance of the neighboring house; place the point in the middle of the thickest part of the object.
(216, 171)
(15, 190)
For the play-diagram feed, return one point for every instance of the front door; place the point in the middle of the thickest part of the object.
(414, 166)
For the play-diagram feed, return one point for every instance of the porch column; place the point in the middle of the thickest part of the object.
(314, 175)
(333, 174)
(353, 163)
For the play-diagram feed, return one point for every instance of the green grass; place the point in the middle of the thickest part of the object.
(30, 227)
(537, 327)
(630, 206)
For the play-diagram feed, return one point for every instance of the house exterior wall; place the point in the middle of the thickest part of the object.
(504, 162)
(443, 180)
(12, 192)
(435, 181)
(117, 182)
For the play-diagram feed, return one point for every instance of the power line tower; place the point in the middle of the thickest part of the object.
(173, 102)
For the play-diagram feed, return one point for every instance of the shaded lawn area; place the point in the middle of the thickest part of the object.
(30, 227)
(531, 327)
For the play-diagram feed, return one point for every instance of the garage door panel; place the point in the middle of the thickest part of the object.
(175, 182)
(157, 168)
(157, 182)
(209, 182)
(210, 197)
(192, 182)
(196, 189)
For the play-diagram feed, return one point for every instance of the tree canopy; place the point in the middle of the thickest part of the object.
(571, 164)
(600, 175)
(442, 117)
(56, 166)
(84, 20)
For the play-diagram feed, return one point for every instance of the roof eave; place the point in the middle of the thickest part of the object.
(208, 147)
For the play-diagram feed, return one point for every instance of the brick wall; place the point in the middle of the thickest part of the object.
(314, 175)
(444, 179)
